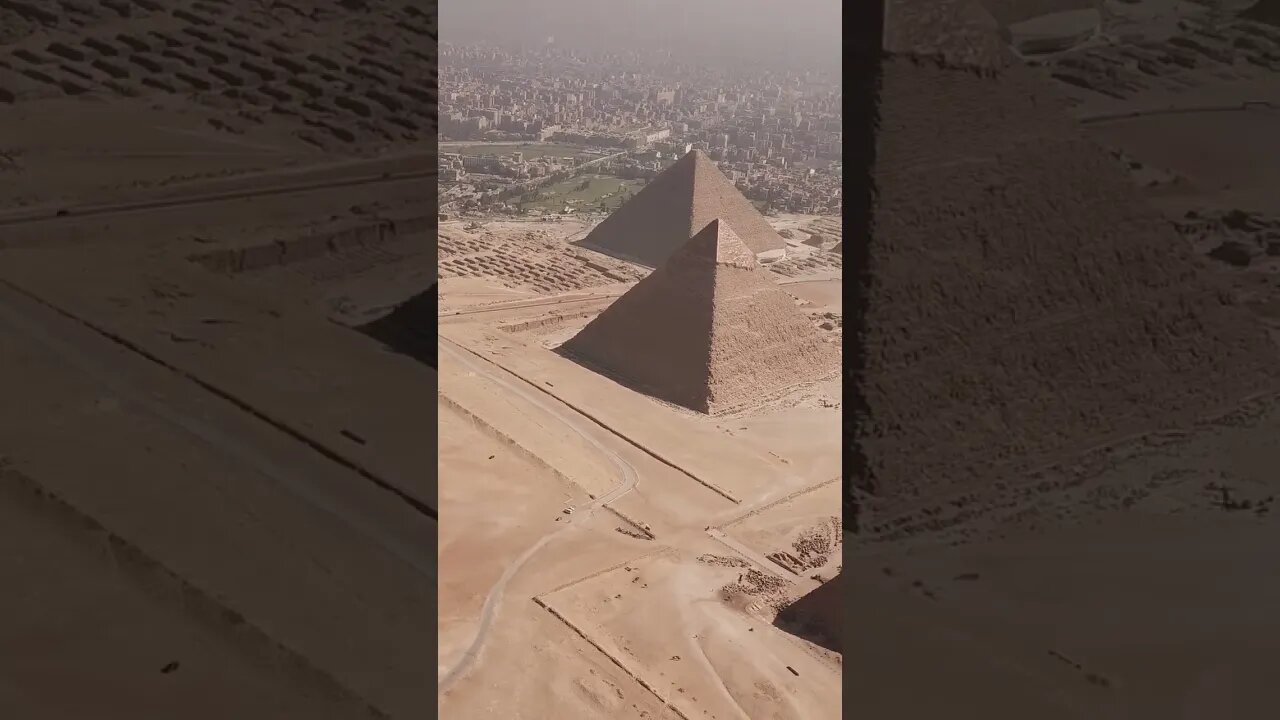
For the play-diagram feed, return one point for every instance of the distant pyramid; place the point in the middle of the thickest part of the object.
(708, 330)
(1010, 300)
(674, 206)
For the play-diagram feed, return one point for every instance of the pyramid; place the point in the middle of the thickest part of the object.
(676, 204)
(1011, 302)
(708, 330)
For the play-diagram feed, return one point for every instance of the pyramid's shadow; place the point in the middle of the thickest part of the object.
(810, 632)
(817, 616)
(404, 330)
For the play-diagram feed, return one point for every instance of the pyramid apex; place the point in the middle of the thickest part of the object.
(719, 243)
(676, 206)
(696, 157)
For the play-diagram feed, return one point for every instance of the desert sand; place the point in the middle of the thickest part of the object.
(605, 547)
(1115, 568)
(216, 495)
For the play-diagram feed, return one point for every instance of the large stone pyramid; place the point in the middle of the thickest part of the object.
(1011, 300)
(676, 205)
(708, 330)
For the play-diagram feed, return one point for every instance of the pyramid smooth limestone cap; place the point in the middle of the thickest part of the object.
(718, 243)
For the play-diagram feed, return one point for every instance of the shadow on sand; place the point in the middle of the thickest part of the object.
(816, 617)
(406, 329)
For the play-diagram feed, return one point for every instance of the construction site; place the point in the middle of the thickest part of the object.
(640, 461)
(217, 499)
(1063, 352)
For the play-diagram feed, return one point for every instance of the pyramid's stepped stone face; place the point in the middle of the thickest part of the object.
(675, 206)
(708, 330)
(657, 336)
(715, 197)
(760, 343)
(1021, 302)
(653, 223)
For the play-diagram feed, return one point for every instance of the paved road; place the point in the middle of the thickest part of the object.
(627, 481)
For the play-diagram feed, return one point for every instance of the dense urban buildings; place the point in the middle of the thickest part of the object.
(775, 134)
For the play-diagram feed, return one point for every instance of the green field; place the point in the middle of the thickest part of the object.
(530, 150)
(570, 192)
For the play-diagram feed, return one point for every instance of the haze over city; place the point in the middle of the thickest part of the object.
(763, 33)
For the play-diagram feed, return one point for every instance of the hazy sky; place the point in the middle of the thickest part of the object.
(730, 29)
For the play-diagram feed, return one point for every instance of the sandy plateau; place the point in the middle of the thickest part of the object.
(647, 548)
(216, 497)
(1135, 580)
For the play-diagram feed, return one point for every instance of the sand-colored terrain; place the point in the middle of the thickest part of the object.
(1051, 592)
(966, 341)
(1130, 579)
(214, 477)
(188, 91)
(634, 596)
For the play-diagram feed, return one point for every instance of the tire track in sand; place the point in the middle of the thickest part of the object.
(628, 479)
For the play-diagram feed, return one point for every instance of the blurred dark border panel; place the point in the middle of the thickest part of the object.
(218, 454)
(1067, 298)
(864, 39)
(863, 26)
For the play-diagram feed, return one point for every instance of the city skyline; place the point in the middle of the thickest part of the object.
(776, 134)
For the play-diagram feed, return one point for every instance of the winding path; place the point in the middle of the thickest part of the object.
(627, 481)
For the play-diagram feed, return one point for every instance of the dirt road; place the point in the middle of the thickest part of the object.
(627, 481)
(29, 217)
(21, 317)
